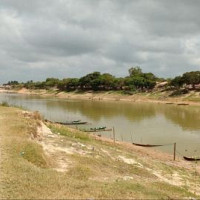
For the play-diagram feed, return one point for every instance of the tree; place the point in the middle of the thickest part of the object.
(192, 78)
(135, 71)
(68, 84)
(62, 84)
(39, 85)
(177, 82)
(150, 76)
(119, 83)
(12, 83)
(136, 82)
(51, 82)
(90, 81)
(107, 81)
(29, 84)
(140, 80)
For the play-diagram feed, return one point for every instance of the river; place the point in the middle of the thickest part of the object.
(147, 123)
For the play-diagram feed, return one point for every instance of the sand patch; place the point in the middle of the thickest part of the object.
(129, 161)
(174, 179)
(59, 149)
(44, 130)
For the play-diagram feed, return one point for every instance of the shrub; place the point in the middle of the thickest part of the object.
(179, 92)
(5, 104)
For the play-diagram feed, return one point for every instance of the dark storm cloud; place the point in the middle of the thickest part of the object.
(39, 39)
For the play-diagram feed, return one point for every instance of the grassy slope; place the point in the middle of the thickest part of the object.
(96, 169)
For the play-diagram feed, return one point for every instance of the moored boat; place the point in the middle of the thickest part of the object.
(148, 145)
(183, 104)
(191, 158)
(99, 129)
(72, 123)
(76, 121)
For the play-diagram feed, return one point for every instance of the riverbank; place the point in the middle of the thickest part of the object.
(51, 161)
(192, 98)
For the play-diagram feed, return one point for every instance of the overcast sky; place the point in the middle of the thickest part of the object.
(71, 38)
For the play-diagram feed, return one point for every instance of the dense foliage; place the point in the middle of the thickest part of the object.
(136, 81)
(189, 80)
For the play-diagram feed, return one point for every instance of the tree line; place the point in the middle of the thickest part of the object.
(135, 81)
(191, 79)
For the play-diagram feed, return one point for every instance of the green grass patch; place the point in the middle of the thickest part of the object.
(81, 172)
(172, 190)
(71, 134)
(131, 190)
(21, 148)
(4, 104)
(34, 154)
(194, 99)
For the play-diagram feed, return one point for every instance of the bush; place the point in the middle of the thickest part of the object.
(179, 92)
(5, 104)
(128, 92)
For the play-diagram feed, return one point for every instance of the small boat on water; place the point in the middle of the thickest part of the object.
(183, 104)
(78, 122)
(98, 129)
(147, 145)
(191, 158)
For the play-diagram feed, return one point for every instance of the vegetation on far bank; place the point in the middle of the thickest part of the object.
(37, 163)
(137, 81)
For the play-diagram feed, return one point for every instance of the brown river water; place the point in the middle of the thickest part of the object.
(146, 123)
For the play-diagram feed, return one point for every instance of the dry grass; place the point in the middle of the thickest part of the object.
(96, 169)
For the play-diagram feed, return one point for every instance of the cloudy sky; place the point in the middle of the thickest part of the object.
(70, 38)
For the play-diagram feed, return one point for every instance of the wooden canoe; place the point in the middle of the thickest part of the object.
(97, 130)
(76, 121)
(191, 158)
(147, 145)
(72, 123)
(183, 104)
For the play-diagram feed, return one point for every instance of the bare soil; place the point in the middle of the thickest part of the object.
(192, 98)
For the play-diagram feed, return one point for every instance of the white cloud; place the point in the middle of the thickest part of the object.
(72, 38)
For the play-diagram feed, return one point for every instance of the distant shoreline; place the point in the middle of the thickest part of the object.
(113, 96)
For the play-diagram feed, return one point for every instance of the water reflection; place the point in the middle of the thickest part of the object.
(140, 122)
(186, 117)
(98, 110)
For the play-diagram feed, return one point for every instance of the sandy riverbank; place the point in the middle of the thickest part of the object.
(193, 98)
